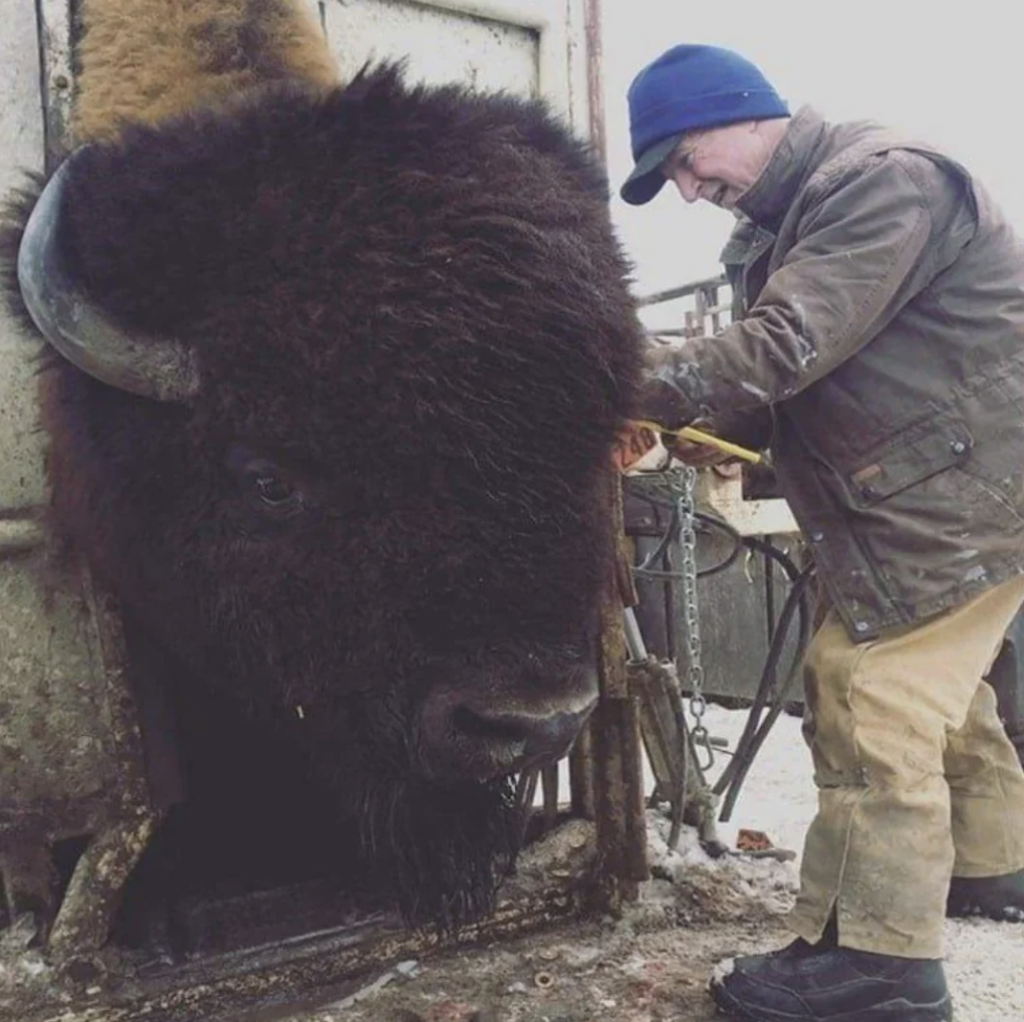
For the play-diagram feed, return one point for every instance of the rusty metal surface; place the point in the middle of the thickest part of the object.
(56, 27)
(303, 973)
(617, 754)
(54, 720)
(70, 752)
(21, 150)
(595, 79)
(70, 749)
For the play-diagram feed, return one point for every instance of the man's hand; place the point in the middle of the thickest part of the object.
(638, 439)
(635, 442)
(669, 387)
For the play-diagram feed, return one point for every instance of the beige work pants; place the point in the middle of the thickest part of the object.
(916, 777)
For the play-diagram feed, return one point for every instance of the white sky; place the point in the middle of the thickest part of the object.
(949, 74)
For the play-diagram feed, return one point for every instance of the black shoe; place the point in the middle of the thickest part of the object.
(805, 983)
(999, 898)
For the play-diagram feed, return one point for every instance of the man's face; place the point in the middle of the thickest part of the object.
(718, 164)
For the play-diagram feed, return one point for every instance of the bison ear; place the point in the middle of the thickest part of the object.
(83, 333)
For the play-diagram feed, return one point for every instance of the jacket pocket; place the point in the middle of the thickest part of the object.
(898, 467)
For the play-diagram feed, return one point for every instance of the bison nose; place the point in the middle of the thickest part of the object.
(467, 738)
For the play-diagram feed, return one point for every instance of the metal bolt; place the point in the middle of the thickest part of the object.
(860, 626)
(958, 446)
(61, 82)
(817, 537)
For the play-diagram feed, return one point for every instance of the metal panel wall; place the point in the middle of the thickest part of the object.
(532, 48)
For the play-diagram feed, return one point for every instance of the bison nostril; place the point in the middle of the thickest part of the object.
(481, 729)
(494, 744)
(505, 729)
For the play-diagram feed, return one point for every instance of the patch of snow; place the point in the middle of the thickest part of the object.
(722, 971)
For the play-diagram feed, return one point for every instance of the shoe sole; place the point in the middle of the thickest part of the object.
(890, 1011)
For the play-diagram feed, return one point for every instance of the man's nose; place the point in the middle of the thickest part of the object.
(688, 185)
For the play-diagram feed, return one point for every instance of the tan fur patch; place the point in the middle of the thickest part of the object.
(148, 60)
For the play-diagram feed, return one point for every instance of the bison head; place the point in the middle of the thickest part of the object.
(353, 364)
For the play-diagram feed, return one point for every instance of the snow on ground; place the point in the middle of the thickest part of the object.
(778, 796)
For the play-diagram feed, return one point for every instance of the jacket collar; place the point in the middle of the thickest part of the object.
(767, 199)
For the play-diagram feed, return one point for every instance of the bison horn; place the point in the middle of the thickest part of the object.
(150, 367)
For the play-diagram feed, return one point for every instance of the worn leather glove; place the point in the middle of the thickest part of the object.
(669, 390)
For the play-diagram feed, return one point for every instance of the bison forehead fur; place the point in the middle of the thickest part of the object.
(415, 345)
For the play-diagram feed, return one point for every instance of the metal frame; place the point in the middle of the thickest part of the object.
(56, 19)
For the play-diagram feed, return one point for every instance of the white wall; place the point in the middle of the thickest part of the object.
(949, 74)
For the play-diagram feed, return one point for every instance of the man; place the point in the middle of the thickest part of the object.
(881, 353)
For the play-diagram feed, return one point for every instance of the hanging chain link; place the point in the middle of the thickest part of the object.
(691, 616)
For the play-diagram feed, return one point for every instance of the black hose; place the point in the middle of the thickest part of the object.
(672, 535)
(756, 730)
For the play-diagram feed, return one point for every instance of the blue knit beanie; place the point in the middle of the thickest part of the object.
(689, 87)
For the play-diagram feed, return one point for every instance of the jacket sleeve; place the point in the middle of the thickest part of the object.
(864, 248)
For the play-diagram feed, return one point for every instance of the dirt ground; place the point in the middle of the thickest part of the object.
(653, 965)
(650, 966)
(615, 974)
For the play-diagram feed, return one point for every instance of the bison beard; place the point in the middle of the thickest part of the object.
(415, 347)
(444, 851)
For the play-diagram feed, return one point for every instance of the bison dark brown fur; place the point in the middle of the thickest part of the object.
(379, 529)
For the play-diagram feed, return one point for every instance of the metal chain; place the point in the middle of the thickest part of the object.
(691, 617)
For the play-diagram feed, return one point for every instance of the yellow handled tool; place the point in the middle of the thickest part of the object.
(698, 436)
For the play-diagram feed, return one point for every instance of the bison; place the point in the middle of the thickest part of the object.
(335, 371)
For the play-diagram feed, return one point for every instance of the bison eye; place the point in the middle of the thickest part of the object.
(276, 492)
(271, 493)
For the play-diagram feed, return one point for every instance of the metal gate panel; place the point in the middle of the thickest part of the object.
(522, 46)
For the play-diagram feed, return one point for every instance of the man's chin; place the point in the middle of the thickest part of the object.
(726, 198)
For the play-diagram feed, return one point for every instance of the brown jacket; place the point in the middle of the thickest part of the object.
(884, 333)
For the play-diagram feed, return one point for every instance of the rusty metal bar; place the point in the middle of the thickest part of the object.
(618, 771)
(582, 770)
(549, 786)
(581, 775)
(595, 79)
(305, 975)
(683, 291)
(93, 895)
(615, 732)
(55, 19)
